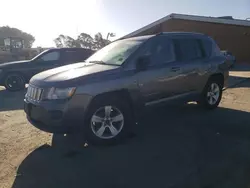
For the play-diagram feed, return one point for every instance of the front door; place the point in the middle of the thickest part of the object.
(46, 61)
(161, 78)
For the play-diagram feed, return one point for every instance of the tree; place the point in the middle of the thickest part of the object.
(100, 41)
(84, 40)
(10, 32)
(66, 41)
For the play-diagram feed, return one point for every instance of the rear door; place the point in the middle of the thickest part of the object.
(193, 64)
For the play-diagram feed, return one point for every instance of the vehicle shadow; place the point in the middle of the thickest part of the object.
(236, 81)
(11, 100)
(172, 147)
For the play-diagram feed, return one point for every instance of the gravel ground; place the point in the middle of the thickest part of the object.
(17, 137)
(176, 146)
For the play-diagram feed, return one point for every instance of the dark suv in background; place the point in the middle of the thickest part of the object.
(14, 75)
(103, 96)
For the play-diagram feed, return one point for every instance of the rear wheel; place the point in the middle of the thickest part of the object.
(14, 82)
(107, 122)
(212, 93)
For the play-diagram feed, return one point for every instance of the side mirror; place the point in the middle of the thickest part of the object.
(142, 62)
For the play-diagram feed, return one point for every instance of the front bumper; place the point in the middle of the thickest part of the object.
(1, 78)
(54, 116)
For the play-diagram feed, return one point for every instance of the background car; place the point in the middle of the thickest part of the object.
(14, 75)
(230, 57)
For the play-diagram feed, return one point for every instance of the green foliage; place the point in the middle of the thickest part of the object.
(84, 40)
(8, 32)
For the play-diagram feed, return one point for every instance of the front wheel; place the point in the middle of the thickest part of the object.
(107, 122)
(212, 93)
(14, 82)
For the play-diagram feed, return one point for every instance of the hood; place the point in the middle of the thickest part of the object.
(13, 63)
(67, 73)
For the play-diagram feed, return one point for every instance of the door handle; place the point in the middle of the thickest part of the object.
(175, 69)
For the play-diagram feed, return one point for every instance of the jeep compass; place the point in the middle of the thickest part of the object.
(102, 96)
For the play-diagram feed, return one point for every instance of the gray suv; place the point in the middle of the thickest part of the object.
(103, 96)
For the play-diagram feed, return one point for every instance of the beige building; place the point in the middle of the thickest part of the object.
(230, 34)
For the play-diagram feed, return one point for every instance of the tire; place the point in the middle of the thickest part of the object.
(108, 121)
(212, 93)
(14, 82)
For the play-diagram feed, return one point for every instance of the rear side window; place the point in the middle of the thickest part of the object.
(75, 56)
(207, 46)
(188, 49)
(50, 56)
(71, 56)
(84, 54)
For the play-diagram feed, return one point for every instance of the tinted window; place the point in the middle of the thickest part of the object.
(160, 50)
(72, 56)
(207, 46)
(76, 56)
(51, 56)
(188, 49)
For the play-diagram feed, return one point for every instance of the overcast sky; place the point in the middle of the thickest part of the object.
(46, 19)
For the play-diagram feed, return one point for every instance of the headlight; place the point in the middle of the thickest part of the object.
(59, 93)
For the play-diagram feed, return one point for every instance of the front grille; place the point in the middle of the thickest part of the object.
(34, 93)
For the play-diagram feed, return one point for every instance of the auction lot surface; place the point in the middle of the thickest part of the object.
(175, 146)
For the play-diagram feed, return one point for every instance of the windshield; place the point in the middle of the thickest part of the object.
(115, 53)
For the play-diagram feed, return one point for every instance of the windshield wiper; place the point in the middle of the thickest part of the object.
(97, 62)
(102, 63)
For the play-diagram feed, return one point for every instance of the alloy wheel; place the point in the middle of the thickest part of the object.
(213, 94)
(107, 122)
(14, 82)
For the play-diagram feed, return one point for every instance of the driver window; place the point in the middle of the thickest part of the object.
(160, 50)
(163, 51)
(51, 56)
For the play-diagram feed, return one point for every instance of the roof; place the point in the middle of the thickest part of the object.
(73, 49)
(181, 33)
(219, 20)
(144, 37)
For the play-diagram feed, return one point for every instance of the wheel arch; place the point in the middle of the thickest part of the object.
(15, 72)
(218, 76)
(121, 94)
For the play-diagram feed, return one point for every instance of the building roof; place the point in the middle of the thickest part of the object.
(219, 20)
